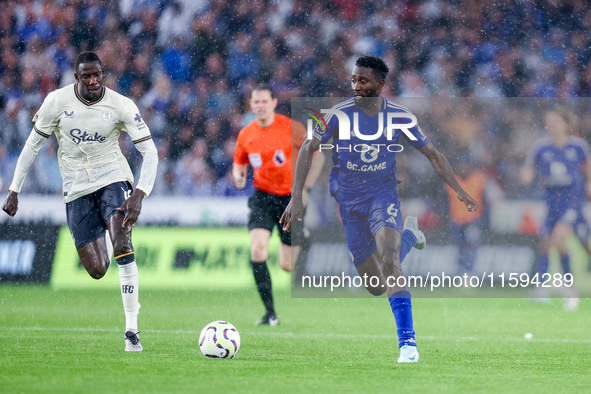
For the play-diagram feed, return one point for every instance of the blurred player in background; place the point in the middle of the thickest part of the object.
(268, 144)
(363, 181)
(562, 163)
(87, 118)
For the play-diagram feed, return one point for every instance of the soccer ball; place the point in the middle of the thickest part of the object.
(219, 339)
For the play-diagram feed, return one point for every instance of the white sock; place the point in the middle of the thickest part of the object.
(128, 278)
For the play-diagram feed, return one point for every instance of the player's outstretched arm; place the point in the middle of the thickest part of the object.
(315, 170)
(239, 175)
(133, 205)
(24, 163)
(143, 142)
(295, 208)
(527, 174)
(10, 205)
(445, 172)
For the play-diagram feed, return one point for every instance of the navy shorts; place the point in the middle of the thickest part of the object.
(363, 220)
(571, 216)
(88, 215)
(266, 210)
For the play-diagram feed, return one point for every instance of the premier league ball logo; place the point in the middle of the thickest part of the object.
(279, 158)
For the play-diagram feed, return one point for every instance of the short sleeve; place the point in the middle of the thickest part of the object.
(324, 132)
(421, 138)
(46, 119)
(298, 135)
(134, 124)
(240, 153)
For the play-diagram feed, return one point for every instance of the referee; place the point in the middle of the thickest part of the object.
(267, 144)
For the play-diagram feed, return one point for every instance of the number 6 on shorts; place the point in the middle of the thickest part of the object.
(392, 210)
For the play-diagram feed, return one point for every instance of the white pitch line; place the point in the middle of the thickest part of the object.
(301, 335)
(419, 337)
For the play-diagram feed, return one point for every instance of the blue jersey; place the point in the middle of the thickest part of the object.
(362, 168)
(561, 172)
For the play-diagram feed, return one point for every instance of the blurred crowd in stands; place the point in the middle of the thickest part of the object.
(190, 66)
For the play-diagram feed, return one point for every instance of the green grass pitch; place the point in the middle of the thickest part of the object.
(71, 341)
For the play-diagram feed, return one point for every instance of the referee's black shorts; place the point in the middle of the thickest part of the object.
(266, 210)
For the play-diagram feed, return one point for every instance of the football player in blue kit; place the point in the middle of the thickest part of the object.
(562, 163)
(363, 182)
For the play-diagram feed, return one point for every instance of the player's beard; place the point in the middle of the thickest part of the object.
(366, 102)
(93, 94)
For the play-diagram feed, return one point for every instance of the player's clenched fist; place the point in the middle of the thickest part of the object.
(10, 205)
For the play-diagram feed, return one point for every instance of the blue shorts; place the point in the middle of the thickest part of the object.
(88, 215)
(573, 217)
(363, 220)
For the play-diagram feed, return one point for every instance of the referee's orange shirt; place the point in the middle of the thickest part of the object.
(269, 151)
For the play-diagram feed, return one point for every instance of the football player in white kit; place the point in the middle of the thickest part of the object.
(87, 118)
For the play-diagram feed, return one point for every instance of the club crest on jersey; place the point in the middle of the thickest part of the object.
(108, 117)
(279, 158)
(255, 160)
(69, 115)
(570, 154)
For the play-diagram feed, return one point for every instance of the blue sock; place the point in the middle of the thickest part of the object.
(406, 244)
(542, 265)
(565, 262)
(402, 310)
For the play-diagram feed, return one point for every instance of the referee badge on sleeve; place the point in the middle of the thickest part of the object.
(318, 131)
(255, 160)
(279, 157)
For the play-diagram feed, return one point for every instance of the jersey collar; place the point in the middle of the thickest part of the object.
(384, 106)
(86, 102)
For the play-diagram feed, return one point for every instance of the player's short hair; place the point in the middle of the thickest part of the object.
(86, 57)
(378, 66)
(263, 86)
(568, 116)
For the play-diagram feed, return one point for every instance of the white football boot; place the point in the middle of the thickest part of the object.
(408, 354)
(571, 304)
(571, 298)
(268, 320)
(412, 224)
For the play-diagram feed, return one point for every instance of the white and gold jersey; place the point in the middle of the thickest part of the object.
(87, 132)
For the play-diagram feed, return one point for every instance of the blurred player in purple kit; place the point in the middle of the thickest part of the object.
(562, 163)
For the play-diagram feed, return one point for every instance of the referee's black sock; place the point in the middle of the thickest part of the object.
(263, 281)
